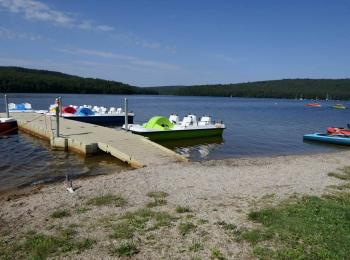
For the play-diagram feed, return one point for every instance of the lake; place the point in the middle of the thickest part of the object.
(255, 127)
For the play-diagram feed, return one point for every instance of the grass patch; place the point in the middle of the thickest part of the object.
(343, 175)
(108, 199)
(60, 213)
(157, 202)
(41, 246)
(123, 230)
(157, 194)
(140, 221)
(216, 254)
(127, 249)
(202, 221)
(183, 209)
(230, 229)
(310, 228)
(186, 228)
(82, 210)
(195, 246)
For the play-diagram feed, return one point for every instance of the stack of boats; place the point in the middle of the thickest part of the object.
(94, 114)
(160, 128)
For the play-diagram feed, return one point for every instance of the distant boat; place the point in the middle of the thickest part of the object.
(339, 106)
(313, 105)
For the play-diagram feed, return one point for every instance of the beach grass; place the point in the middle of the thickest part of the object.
(216, 254)
(157, 194)
(310, 228)
(60, 213)
(186, 228)
(107, 199)
(126, 249)
(41, 246)
(183, 209)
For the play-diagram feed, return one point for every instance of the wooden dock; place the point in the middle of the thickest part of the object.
(86, 139)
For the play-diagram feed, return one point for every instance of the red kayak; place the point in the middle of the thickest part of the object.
(313, 105)
(338, 131)
(7, 125)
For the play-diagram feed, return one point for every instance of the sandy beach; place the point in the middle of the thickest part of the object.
(212, 191)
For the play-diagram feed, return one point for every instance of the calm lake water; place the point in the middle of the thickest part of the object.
(255, 127)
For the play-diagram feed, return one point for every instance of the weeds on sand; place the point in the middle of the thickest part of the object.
(202, 221)
(343, 175)
(40, 246)
(60, 213)
(195, 246)
(157, 202)
(159, 198)
(126, 249)
(157, 194)
(186, 227)
(216, 254)
(82, 210)
(140, 221)
(309, 228)
(183, 209)
(108, 199)
(230, 229)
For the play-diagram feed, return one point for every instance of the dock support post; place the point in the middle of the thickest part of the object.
(7, 107)
(126, 114)
(60, 105)
(57, 117)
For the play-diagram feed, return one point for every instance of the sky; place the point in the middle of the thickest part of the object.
(178, 42)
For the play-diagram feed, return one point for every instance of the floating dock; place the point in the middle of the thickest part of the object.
(87, 139)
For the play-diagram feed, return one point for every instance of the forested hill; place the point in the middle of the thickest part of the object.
(22, 80)
(287, 88)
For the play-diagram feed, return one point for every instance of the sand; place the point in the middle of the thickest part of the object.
(218, 190)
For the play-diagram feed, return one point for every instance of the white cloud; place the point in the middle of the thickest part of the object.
(35, 10)
(11, 35)
(131, 60)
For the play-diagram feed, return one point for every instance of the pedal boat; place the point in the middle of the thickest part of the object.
(7, 125)
(159, 128)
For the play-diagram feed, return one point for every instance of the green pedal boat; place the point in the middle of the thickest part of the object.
(159, 128)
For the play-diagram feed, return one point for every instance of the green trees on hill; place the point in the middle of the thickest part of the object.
(287, 88)
(15, 79)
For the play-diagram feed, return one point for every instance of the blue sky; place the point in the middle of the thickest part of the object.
(163, 42)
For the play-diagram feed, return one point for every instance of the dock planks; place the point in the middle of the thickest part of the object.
(86, 138)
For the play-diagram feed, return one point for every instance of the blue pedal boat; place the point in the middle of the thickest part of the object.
(326, 138)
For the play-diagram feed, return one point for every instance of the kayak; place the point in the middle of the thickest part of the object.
(326, 138)
(313, 105)
(338, 131)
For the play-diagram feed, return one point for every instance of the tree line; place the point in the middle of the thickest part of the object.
(286, 88)
(22, 80)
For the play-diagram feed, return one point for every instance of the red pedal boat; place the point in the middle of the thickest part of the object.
(338, 131)
(7, 125)
(313, 105)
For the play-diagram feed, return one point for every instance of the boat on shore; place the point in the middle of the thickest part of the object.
(328, 138)
(7, 125)
(159, 128)
(334, 135)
